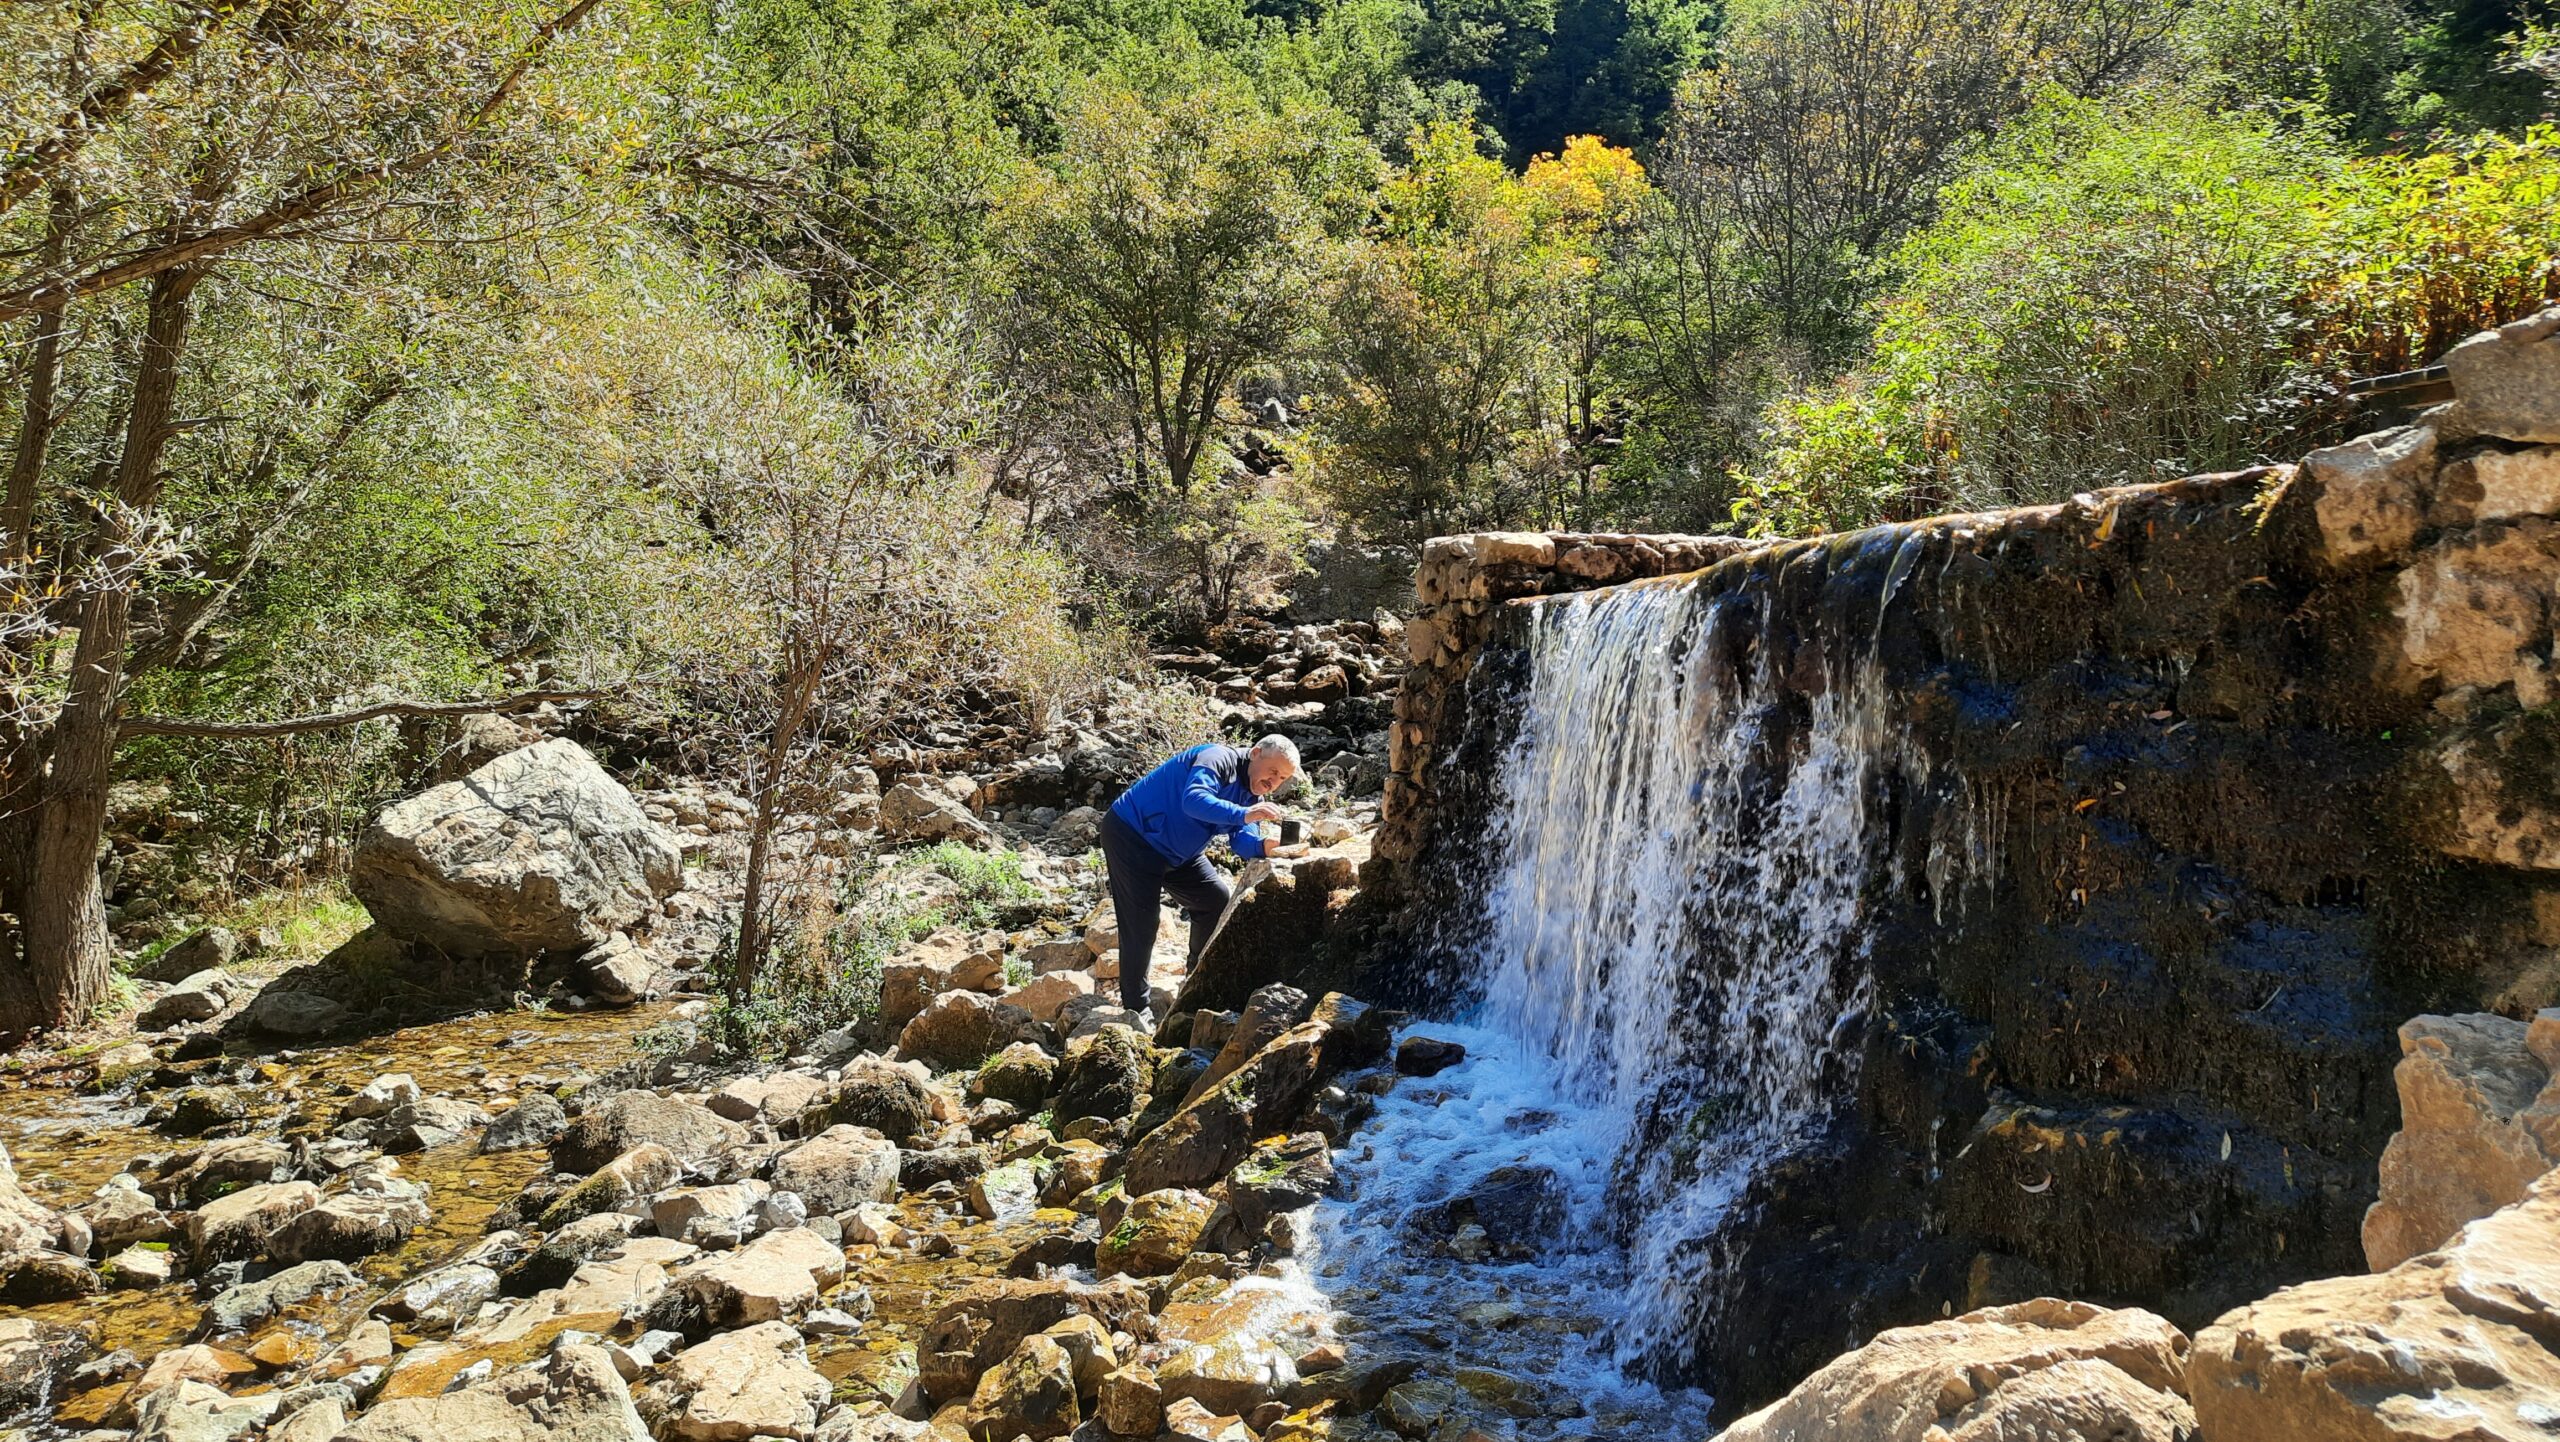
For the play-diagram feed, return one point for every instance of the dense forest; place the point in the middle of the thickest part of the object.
(818, 368)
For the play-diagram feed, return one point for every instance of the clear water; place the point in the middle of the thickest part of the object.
(1671, 939)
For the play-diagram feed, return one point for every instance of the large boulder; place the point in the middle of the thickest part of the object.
(2455, 1343)
(1983, 1377)
(1159, 1230)
(887, 1098)
(1212, 1132)
(777, 1277)
(840, 1169)
(756, 1382)
(239, 1226)
(2507, 381)
(538, 851)
(920, 811)
(633, 1118)
(571, 1395)
(1104, 1075)
(1031, 1393)
(963, 1029)
(948, 960)
(985, 1323)
(35, 1357)
(2479, 1122)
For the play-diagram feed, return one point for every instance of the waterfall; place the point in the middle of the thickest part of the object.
(1660, 989)
(1673, 919)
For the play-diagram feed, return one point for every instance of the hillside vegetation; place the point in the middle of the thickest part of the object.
(798, 377)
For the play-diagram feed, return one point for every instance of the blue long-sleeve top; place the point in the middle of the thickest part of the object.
(1190, 800)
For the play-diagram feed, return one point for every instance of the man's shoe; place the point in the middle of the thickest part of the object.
(1144, 1020)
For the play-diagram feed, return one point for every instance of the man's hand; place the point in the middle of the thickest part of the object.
(1286, 853)
(1262, 811)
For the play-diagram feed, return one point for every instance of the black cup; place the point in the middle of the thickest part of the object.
(1288, 831)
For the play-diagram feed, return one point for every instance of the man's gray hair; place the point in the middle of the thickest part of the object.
(1276, 744)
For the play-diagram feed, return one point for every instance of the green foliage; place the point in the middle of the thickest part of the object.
(2386, 69)
(2150, 286)
(984, 879)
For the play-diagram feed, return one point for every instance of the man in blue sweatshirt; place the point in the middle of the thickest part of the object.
(1155, 836)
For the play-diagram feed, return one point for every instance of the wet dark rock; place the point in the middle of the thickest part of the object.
(36, 1361)
(1049, 1252)
(1279, 1177)
(201, 1109)
(191, 1178)
(34, 1278)
(1103, 1075)
(562, 1253)
(1270, 1011)
(1427, 1056)
(1520, 1208)
(535, 1121)
(1203, 1141)
(887, 1099)
(1019, 1074)
(243, 1307)
(946, 1166)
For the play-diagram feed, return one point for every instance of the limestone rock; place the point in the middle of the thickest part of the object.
(912, 811)
(2479, 1122)
(1160, 1230)
(1234, 1350)
(963, 1029)
(774, 1278)
(1019, 1074)
(636, 1173)
(986, 1322)
(351, 1226)
(1910, 1382)
(2507, 381)
(240, 1225)
(840, 1169)
(694, 1214)
(206, 950)
(572, 1395)
(533, 1122)
(293, 1015)
(2504, 804)
(756, 1382)
(1046, 994)
(778, 1098)
(2368, 497)
(629, 1119)
(192, 1411)
(1131, 1404)
(537, 851)
(199, 997)
(2472, 607)
(2498, 485)
(948, 960)
(242, 1308)
(2455, 1343)
(1031, 1393)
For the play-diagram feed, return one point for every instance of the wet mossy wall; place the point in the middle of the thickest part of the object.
(2159, 878)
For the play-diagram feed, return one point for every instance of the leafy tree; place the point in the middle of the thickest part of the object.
(1167, 247)
(207, 171)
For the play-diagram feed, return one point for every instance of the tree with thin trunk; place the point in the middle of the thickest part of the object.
(194, 147)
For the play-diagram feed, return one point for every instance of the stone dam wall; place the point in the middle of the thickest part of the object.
(2197, 790)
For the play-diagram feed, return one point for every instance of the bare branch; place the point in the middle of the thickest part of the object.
(334, 720)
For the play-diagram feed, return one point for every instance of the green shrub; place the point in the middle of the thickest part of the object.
(2143, 287)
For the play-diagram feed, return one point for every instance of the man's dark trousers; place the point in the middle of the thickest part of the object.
(1140, 876)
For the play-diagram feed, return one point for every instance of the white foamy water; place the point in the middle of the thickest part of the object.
(1671, 939)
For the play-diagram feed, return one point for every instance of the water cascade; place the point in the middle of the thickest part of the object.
(1668, 948)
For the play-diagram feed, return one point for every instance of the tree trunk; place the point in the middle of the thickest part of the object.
(37, 418)
(63, 929)
(799, 695)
